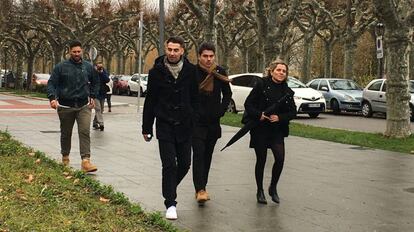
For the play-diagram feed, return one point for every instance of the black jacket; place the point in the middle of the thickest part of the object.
(173, 102)
(212, 105)
(263, 95)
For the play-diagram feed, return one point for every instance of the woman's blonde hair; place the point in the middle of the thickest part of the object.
(273, 65)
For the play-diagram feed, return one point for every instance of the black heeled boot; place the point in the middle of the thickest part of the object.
(273, 194)
(261, 199)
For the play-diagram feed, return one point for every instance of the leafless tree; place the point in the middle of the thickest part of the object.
(398, 18)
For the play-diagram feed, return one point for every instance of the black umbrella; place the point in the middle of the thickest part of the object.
(253, 123)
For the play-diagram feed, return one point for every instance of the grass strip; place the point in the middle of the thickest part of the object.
(38, 194)
(363, 139)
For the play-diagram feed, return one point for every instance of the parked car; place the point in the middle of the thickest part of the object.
(307, 100)
(375, 99)
(133, 84)
(121, 85)
(339, 94)
(40, 79)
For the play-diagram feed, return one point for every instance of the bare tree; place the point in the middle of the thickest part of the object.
(205, 13)
(398, 20)
(273, 20)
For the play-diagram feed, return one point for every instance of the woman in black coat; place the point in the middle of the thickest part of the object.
(273, 127)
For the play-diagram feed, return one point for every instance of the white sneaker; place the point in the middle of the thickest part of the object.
(171, 213)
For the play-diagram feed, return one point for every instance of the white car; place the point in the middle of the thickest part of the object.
(133, 84)
(374, 98)
(307, 100)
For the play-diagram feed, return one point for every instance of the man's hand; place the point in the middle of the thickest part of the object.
(91, 103)
(54, 104)
(147, 137)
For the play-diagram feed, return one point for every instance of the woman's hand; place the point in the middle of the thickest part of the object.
(273, 118)
(264, 117)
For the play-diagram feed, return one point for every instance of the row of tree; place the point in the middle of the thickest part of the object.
(248, 33)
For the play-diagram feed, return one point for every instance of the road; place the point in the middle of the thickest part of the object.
(347, 121)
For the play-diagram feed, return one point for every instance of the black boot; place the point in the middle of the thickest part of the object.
(261, 199)
(273, 194)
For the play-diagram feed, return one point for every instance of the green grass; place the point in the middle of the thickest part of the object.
(371, 140)
(37, 194)
(24, 93)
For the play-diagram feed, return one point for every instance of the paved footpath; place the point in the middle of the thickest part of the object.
(325, 186)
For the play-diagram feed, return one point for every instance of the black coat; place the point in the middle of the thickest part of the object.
(173, 102)
(264, 94)
(212, 105)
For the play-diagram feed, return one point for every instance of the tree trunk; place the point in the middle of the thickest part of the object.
(30, 64)
(19, 71)
(411, 61)
(328, 60)
(119, 62)
(398, 96)
(350, 47)
(307, 58)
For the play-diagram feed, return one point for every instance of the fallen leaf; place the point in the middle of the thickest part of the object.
(19, 191)
(31, 154)
(1, 190)
(66, 173)
(68, 177)
(29, 179)
(38, 161)
(76, 181)
(104, 200)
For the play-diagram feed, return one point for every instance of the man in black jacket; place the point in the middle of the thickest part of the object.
(215, 95)
(71, 90)
(172, 98)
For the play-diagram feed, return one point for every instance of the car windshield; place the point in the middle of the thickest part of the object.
(343, 85)
(293, 83)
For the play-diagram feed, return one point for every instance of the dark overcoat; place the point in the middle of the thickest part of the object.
(172, 102)
(263, 95)
(212, 106)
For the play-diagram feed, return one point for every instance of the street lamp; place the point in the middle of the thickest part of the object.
(379, 32)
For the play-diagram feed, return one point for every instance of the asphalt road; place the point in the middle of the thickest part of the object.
(347, 121)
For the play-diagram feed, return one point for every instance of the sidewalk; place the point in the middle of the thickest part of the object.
(325, 186)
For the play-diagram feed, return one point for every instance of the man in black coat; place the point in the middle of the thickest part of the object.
(215, 95)
(172, 98)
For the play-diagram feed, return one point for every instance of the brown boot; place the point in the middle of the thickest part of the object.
(86, 166)
(201, 197)
(65, 160)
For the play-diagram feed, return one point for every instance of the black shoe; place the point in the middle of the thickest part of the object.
(101, 127)
(96, 126)
(261, 199)
(273, 194)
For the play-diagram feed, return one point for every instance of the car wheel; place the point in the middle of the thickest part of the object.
(117, 91)
(335, 106)
(366, 110)
(313, 115)
(128, 92)
(232, 107)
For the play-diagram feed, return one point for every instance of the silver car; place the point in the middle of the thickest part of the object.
(375, 100)
(339, 94)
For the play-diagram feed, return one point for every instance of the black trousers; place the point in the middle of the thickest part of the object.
(176, 161)
(202, 155)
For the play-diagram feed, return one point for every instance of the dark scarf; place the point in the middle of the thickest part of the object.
(207, 85)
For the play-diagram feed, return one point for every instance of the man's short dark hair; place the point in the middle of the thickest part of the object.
(206, 46)
(175, 39)
(74, 43)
